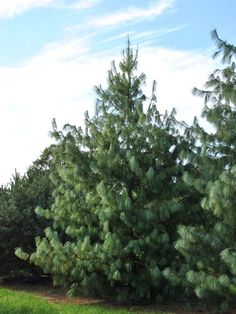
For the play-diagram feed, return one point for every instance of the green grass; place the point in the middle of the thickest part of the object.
(14, 302)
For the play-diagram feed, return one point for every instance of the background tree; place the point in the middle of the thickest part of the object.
(210, 248)
(19, 225)
(119, 196)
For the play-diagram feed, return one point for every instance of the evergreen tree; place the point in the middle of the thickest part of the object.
(210, 248)
(19, 225)
(119, 196)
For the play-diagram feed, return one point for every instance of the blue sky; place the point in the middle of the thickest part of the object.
(53, 52)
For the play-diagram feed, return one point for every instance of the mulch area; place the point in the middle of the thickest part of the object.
(57, 295)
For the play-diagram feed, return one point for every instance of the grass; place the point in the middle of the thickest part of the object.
(14, 302)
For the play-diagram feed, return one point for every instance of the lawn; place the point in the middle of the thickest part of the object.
(14, 302)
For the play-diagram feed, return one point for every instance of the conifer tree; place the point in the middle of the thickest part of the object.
(119, 196)
(210, 248)
(19, 225)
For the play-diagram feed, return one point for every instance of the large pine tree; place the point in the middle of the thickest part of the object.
(119, 195)
(210, 248)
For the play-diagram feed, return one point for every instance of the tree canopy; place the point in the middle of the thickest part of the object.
(119, 195)
(209, 248)
(19, 225)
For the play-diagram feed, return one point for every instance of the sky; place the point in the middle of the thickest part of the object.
(53, 53)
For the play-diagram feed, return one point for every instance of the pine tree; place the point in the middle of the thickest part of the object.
(209, 249)
(119, 196)
(19, 225)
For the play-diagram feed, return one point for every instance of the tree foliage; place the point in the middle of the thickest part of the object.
(119, 196)
(209, 249)
(19, 225)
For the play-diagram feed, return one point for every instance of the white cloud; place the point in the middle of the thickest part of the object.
(132, 14)
(59, 83)
(37, 91)
(148, 35)
(176, 73)
(120, 36)
(157, 33)
(83, 4)
(11, 8)
(61, 51)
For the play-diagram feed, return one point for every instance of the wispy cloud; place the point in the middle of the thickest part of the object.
(62, 51)
(119, 36)
(132, 14)
(148, 35)
(157, 33)
(11, 8)
(82, 4)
